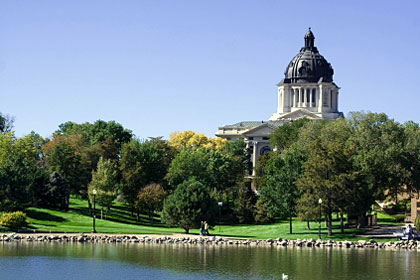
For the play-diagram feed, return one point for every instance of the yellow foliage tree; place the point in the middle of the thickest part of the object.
(190, 139)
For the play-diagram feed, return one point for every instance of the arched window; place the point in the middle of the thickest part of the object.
(265, 150)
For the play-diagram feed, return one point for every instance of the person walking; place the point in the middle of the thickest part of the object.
(202, 228)
(206, 228)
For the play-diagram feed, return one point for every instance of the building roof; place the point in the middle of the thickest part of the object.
(251, 124)
(308, 65)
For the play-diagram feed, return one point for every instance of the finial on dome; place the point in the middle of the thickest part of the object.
(309, 39)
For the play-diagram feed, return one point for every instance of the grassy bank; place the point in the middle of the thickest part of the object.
(119, 220)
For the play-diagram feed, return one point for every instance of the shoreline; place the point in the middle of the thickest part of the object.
(188, 239)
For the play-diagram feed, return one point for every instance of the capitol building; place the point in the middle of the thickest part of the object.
(306, 91)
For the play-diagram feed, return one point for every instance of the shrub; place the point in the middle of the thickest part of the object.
(417, 223)
(13, 220)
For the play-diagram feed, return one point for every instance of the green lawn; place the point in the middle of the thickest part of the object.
(119, 220)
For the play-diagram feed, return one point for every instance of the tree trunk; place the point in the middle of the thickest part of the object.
(90, 207)
(308, 225)
(151, 217)
(342, 220)
(187, 230)
(290, 223)
(137, 215)
(102, 213)
(329, 223)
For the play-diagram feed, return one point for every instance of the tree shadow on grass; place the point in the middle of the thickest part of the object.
(34, 214)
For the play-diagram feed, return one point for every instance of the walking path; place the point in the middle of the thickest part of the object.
(380, 231)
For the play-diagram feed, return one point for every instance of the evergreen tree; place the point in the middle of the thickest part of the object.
(188, 205)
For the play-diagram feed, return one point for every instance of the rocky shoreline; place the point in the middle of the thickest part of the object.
(207, 240)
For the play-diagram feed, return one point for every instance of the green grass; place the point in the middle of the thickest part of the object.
(77, 219)
(119, 220)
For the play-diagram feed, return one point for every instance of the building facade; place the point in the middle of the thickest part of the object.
(307, 91)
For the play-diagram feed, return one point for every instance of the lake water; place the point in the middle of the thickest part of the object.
(146, 261)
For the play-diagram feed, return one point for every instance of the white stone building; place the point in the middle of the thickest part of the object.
(307, 91)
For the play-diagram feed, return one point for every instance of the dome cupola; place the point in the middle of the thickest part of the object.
(308, 66)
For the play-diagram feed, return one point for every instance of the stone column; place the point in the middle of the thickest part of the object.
(300, 97)
(305, 97)
(320, 99)
(254, 157)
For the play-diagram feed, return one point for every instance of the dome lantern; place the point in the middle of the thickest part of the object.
(309, 39)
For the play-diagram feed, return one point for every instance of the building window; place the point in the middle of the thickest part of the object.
(265, 138)
(250, 138)
(265, 150)
(302, 96)
(313, 95)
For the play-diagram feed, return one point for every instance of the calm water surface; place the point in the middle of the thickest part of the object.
(144, 261)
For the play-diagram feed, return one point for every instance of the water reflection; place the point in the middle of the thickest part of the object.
(208, 262)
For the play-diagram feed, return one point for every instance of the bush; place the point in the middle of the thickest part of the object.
(13, 220)
(417, 223)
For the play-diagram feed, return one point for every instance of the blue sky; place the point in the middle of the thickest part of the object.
(163, 66)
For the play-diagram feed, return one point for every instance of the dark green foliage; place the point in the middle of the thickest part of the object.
(49, 191)
(99, 131)
(189, 204)
(143, 163)
(260, 213)
(287, 134)
(213, 168)
(13, 220)
(240, 155)
(16, 177)
(280, 193)
(243, 208)
(6, 123)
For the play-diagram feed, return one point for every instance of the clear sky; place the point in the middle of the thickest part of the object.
(163, 66)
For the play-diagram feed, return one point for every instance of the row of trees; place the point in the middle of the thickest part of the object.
(106, 157)
(348, 163)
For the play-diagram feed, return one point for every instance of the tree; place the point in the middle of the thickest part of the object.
(190, 139)
(412, 150)
(329, 172)
(104, 181)
(243, 208)
(16, 177)
(70, 157)
(18, 165)
(143, 163)
(287, 134)
(260, 213)
(150, 199)
(280, 193)
(49, 190)
(213, 168)
(381, 154)
(6, 123)
(188, 205)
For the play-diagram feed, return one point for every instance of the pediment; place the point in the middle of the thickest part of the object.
(300, 114)
(262, 130)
